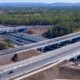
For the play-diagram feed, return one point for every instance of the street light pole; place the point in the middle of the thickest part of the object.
(9, 72)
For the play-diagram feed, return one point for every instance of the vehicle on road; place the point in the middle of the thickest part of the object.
(58, 40)
(19, 40)
(10, 72)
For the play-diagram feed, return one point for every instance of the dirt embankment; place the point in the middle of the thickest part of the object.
(25, 55)
(37, 31)
(69, 72)
(60, 71)
(11, 58)
(1, 38)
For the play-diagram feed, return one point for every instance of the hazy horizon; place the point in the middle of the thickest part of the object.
(41, 1)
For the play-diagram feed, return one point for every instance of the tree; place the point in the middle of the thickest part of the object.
(3, 46)
(8, 41)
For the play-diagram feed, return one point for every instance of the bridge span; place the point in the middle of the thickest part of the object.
(55, 41)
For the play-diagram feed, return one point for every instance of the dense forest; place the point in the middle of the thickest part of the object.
(42, 15)
(43, 18)
(66, 19)
(62, 28)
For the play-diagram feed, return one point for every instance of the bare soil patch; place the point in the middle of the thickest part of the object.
(37, 31)
(1, 38)
(69, 72)
(7, 62)
(11, 46)
(60, 71)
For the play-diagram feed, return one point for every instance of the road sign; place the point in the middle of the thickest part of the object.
(37, 23)
(0, 75)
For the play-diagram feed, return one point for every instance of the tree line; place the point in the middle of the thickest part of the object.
(62, 28)
(45, 18)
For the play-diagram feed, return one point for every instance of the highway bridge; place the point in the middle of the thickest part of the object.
(8, 29)
(37, 62)
(42, 44)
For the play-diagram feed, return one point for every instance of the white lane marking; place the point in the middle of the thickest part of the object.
(20, 65)
(40, 59)
(49, 56)
(44, 57)
(36, 60)
(14, 67)
(25, 63)
(31, 62)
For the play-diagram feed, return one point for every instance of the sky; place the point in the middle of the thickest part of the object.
(44, 1)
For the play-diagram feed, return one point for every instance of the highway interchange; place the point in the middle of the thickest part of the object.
(25, 38)
(41, 60)
(42, 43)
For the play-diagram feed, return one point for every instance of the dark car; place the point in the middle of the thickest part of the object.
(58, 40)
(19, 40)
(10, 72)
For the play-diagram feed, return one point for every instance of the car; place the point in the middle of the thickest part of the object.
(58, 40)
(10, 72)
(19, 40)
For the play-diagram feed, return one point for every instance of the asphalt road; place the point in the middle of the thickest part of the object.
(59, 54)
(40, 44)
(27, 38)
(14, 39)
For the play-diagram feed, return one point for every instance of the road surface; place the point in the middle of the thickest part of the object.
(38, 61)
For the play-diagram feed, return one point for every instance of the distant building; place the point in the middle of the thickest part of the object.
(0, 12)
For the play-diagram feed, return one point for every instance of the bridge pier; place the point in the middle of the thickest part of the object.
(76, 39)
(69, 42)
(42, 49)
(57, 45)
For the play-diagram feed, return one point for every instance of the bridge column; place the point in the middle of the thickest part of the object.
(75, 59)
(76, 40)
(57, 45)
(25, 28)
(42, 49)
(69, 41)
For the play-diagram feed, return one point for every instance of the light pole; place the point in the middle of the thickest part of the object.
(9, 72)
(51, 31)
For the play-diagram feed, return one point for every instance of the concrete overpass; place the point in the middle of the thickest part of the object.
(11, 29)
(44, 43)
(7, 29)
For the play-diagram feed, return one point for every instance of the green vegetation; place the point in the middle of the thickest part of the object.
(66, 19)
(8, 41)
(3, 46)
(48, 16)
(63, 28)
